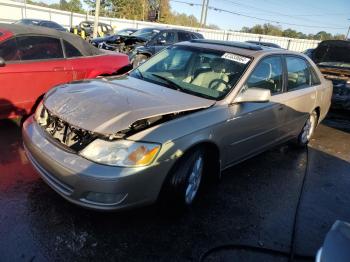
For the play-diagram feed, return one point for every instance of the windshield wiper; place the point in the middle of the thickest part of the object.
(171, 83)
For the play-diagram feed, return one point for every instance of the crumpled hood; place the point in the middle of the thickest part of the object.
(332, 51)
(109, 106)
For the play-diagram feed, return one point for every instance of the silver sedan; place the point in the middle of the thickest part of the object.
(182, 117)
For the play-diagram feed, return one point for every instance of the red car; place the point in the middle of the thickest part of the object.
(33, 59)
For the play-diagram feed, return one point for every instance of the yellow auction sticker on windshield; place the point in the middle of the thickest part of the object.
(236, 58)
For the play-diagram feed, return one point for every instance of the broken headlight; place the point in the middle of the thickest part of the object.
(40, 115)
(122, 153)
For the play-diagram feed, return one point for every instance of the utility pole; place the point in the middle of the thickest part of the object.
(97, 13)
(347, 34)
(205, 14)
(202, 14)
(25, 8)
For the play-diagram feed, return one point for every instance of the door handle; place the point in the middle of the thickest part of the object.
(55, 69)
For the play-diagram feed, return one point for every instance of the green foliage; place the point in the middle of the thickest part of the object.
(71, 6)
(268, 29)
(131, 9)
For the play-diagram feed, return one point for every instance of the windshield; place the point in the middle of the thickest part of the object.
(205, 73)
(125, 32)
(146, 33)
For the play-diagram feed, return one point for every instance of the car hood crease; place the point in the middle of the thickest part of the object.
(110, 106)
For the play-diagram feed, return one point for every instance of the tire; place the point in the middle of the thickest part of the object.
(308, 129)
(184, 180)
(139, 59)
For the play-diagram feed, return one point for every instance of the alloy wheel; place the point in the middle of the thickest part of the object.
(194, 180)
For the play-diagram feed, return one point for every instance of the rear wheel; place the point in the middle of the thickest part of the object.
(308, 130)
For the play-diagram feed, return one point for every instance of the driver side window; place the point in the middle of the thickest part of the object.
(167, 38)
(268, 74)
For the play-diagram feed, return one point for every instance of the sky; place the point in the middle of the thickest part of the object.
(307, 16)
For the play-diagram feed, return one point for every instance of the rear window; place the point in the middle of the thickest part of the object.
(184, 36)
(71, 51)
(298, 73)
(51, 25)
(39, 47)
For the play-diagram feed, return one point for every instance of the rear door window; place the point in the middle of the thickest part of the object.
(9, 50)
(71, 51)
(299, 75)
(39, 47)
(184, 36)
(167, 37)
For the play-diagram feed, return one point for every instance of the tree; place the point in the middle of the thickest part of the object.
(72, 6)
(268, 29)
(323, 35)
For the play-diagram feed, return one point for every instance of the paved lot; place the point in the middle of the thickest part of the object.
(254, 205)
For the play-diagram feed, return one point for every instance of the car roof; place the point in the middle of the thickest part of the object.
(242, 48)
(18, 29)
(36, 20)
(178, 30)
(92, 22)
(268, 44)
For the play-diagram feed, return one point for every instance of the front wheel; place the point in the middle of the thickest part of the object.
(184, 180)
(308, 130)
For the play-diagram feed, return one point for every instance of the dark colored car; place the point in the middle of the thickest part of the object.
(33, 59)
(309, 52)
(115, 39)
(158, 42)
(333, 59)
(267, 44)
(44, 23)
(145, 42)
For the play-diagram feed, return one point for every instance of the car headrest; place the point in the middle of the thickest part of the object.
(217, 64)
(263, 71)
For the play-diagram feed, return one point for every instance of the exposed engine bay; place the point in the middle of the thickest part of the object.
(125, 44)
(76, 138)
(333, 59)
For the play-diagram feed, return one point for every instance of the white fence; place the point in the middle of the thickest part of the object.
(11, 11)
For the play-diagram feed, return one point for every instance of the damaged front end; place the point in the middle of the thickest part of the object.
(125, 44)
(333, 59)
(76, 139)
(341, 86)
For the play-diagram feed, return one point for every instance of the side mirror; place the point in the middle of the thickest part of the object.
(254, 95)
(2, 62)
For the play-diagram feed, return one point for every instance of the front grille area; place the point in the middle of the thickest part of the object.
(69, 136)
(340, 88)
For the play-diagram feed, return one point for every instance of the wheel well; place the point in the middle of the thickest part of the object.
(212, 171)
(318, 111)
(213, 156)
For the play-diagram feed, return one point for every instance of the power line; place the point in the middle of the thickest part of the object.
(254, 17)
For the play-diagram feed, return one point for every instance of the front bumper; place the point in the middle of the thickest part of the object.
(74, 177)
